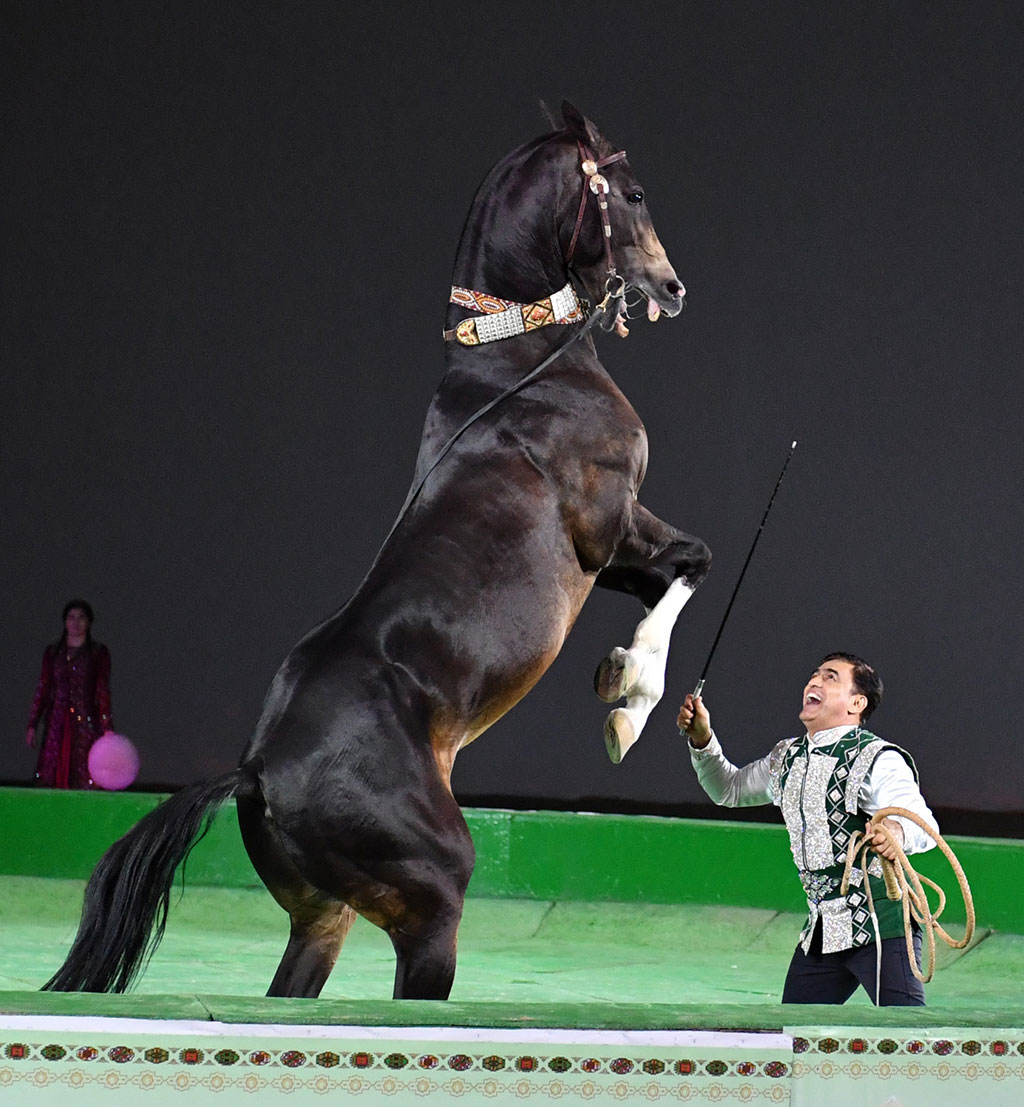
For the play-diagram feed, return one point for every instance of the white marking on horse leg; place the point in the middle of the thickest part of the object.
(623, 726)
(649, 652)
(655, 631)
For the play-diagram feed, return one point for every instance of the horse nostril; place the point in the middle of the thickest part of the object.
(675, 288)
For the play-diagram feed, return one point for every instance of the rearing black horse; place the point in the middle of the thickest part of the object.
(343, 793)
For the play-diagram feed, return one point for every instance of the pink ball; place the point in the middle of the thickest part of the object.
(113, 762)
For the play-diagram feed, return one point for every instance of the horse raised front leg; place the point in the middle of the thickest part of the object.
(640, 671)
(653, 561)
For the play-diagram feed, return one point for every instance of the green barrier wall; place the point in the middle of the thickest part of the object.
(525, 854)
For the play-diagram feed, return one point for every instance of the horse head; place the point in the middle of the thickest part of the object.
(565, 205)
(606, 232)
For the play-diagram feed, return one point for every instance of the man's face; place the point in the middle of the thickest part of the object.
(830, 698)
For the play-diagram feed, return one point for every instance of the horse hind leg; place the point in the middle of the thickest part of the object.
(319, 922)
(425, 951)
(638, 674)
(318, 929)
(422, 917)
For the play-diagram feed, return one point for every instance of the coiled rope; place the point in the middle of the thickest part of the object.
(903, 883)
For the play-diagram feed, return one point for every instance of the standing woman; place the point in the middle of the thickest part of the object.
(73, 697)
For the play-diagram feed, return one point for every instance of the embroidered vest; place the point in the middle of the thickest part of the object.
(817, 790)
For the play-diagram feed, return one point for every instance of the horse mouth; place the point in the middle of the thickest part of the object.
(667, 304)
(629, 295)
(663, 303)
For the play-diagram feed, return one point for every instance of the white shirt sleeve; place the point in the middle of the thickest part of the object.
(891, 783)
(727, 785)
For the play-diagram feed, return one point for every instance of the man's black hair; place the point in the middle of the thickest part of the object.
(865, 681)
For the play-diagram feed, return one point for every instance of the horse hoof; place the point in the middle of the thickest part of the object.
(619, 734)
(616, 674)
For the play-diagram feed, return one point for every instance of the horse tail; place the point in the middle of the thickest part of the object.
(128, 895)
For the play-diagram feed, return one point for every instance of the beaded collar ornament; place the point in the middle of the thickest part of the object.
(505, 318)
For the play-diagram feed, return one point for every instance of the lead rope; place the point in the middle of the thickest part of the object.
(902, 882)
(573, 337)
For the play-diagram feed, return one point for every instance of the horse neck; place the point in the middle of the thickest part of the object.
(509, 246)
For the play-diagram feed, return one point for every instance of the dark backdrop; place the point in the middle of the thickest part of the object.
(227, 237)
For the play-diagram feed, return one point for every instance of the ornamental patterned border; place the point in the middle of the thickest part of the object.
(913, 1070)
(456, 1087)
(525, 1064)
(843, 1064)
(914, 1047)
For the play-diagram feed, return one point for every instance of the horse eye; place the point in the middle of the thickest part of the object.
(635, 197)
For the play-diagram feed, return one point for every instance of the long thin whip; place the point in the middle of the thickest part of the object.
(714, 645)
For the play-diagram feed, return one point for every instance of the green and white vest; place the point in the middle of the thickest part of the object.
(817, 790)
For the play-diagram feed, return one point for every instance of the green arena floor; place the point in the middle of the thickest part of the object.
(596, 912)
(514, 955)
(591, 947)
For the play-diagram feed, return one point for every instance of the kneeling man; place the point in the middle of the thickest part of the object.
(827, 782)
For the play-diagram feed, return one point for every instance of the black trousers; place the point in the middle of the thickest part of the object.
(816, 977)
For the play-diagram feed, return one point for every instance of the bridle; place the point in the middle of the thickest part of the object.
(596, 183)
(504, 318)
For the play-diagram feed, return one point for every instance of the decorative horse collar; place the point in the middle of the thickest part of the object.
(506, 318)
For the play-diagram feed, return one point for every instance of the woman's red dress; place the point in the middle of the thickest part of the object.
(74, 697)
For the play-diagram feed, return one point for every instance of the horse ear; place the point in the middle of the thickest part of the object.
(581, 128)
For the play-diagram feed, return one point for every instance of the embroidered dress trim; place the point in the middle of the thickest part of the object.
(818, 833)
(836, 925)
(805, 813)
(776, 760)
(819, 886)
(790, 804)
(506, 318)
(859, 770)
(818, 789)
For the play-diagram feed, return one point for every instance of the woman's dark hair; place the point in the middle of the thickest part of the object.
(78, 605)
(865, 680)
